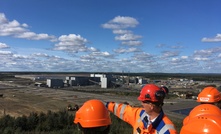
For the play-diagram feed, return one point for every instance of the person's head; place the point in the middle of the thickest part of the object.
(203, 119)
(93, 118)
(152, 97)
(203, 109)
(210, 95)
(204, 124)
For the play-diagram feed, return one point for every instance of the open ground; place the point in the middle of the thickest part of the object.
(18, 100)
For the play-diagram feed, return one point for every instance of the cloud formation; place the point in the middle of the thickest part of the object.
(120, 27)
(71, 43)
(217, 38)
(15, 29)
(3, 45)
(129, 56)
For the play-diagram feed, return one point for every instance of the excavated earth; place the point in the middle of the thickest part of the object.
(17, 100)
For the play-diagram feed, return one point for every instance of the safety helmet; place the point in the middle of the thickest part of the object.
(93, 113)
(209, 95)
(203, 109)
(203, 124)
(152, 93)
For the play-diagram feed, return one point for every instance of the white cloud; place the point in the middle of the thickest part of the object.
(208, 55)
(180, 60)
(128, 21)
(120, 25)
(142, 56)
(176, 47)
(102, 54)
(184, 57)
(15, 29)
(11, 28)
(72, 38)
(201, 59)
(3, 45)
(17, 56)
(2, 18)
(72, 43)
(160, 45)
(216, 49)
(5, 53)
(166, 54)
(88, 58)
(203, 53)
(120, 31)
(121, 22)
(34, 36)
(132, 43)
(175, 59)
(217, 38)
(92, 49)
(127, 37)
(124, 50)
(40, 54)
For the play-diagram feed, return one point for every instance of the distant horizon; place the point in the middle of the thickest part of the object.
(101, 72)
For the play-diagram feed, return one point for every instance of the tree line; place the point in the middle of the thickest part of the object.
(60, 122)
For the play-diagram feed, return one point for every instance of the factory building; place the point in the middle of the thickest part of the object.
(99, 79)
(106, 80)
(55, 83)
(103, 80)
(81, 81)
(142, 81)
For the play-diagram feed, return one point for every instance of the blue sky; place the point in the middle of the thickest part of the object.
(169, 36)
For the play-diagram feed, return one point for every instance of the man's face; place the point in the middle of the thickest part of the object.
(148, 106)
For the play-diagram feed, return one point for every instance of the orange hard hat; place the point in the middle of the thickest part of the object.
(203, 124)
(209, 95)
(93, 113)
(151, 92)
(202, 109)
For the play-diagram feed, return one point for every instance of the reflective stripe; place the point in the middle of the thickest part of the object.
(142, 116)
(139, 119)
(115, 108)
(122, 111)
(165, 128)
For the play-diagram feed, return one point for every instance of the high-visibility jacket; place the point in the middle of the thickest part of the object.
(138, 119)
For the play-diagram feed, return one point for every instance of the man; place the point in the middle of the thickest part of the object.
(93, 118)
(210, 95)
(203, 119)
(147, 120)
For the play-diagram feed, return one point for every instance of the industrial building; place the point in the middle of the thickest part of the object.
(100, 79)
(81, 81)
(55, 83)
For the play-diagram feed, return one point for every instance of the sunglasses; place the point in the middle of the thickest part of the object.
(159, 95)
(147, 102)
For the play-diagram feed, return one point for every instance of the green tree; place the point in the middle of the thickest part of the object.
(21, 123)
(32, 121)
(6, 121)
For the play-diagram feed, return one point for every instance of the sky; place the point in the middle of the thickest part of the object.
(151, 36)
